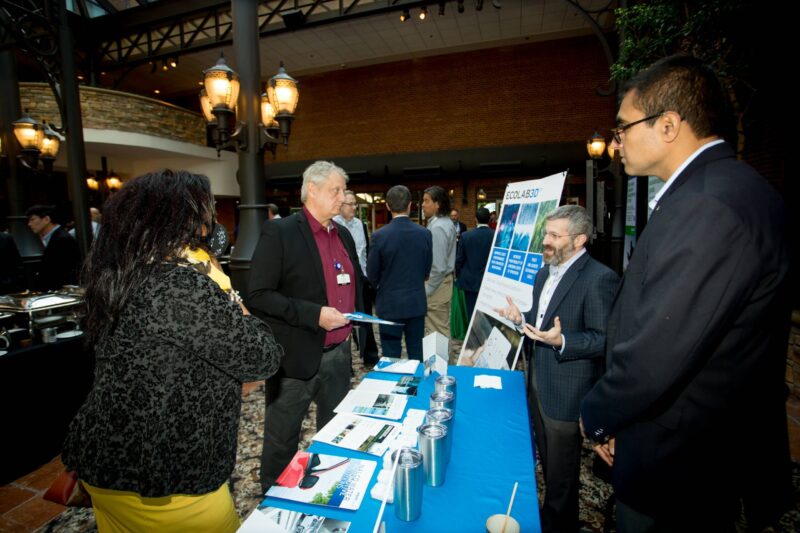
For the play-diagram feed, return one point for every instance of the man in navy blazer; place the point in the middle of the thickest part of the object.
(398, 264)
(572, 295)
(471, 257)
(694, 395)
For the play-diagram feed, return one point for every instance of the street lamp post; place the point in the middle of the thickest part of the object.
(249, 127)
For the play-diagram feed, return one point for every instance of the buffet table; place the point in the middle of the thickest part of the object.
(41, 388)
(492, 449)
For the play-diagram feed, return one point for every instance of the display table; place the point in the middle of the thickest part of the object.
(41, 389)
(492, 449)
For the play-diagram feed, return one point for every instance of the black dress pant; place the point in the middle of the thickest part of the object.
(287, 404)
(559, 444)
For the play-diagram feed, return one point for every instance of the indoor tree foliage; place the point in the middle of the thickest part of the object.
(719, 32)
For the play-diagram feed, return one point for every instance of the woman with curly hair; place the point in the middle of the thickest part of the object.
(155, 441)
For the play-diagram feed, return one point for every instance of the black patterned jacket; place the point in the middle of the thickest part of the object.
(163, 414)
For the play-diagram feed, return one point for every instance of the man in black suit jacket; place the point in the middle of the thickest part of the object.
(461, 228)
(61, 258)
(694, 390)
(471, 257)
(305, 275)
(572, 295)
(399, 262)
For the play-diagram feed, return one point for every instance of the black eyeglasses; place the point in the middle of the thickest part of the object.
(309, 479)
(617, 132)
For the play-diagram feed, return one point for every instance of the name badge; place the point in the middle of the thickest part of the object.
(343, 278)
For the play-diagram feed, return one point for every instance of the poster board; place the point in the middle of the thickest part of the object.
(514, 260)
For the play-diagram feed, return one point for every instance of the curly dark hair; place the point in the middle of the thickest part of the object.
(438, 194)
(147, 222)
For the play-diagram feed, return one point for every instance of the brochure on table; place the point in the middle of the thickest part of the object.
(358, 316)
(359, 433)
(276, 520)
(407, 385)
(514, 260)
(435, 353)
(326, 480)
(375, 404)
(395, 365)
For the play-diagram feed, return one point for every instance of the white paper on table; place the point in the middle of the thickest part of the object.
(276, 520)
(488, 382)
(404, 385)
(397, 366)
(373, 404)
(359, 433)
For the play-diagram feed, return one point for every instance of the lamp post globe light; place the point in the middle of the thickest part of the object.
(218, 102)
(596, 146)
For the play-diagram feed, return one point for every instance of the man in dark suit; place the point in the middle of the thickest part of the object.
(572, 295)
(471, 256)
(694, 395)
(461, 228)
(305, 275)
(399, 262)
(61, 258)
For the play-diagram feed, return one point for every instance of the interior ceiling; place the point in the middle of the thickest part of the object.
(367, 40)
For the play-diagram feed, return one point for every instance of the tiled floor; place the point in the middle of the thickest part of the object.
(23, 510)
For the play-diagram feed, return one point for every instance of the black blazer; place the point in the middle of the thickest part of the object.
(399, 262)
(697, 345)
(60, 262)
(582, 301)
(471, 257)
(287, 289)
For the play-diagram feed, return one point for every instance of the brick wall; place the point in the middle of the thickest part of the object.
(526, 94)
(114, 110)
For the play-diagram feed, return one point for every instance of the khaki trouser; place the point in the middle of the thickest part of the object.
(438, 317)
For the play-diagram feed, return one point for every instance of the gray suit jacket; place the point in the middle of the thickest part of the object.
(582, 301)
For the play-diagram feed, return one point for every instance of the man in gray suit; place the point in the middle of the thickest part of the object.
(572, 296)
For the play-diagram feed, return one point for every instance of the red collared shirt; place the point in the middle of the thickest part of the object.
(335, 261)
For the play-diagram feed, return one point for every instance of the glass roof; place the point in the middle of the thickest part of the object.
(99, 8)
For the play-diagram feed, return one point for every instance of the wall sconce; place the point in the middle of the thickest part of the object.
(92, 183)
(218, 101)
(405, 15)
(423, 12)
(595, 146)
(481, 195)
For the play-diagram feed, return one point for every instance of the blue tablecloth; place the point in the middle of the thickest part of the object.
(492, 449)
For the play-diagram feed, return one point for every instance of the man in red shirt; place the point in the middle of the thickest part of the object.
(305, 275)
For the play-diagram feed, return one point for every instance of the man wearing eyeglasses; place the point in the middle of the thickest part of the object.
(572, 295)
(365, 337)
(691, 408)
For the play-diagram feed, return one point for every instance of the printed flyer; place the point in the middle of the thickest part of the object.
(514, 260)
(404, 385)
(359, 433)
(373, 404)
(276, 520)
(327, 480)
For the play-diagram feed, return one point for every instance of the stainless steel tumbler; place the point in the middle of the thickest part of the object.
(443, 399)
(433, 446)
(447, 383)
(444, 417)
(408, 482)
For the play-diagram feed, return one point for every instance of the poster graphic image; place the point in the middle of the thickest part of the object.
(524, 227)
(327, 480)
(490, 344)
(537, 238)
(514, 260)
(505, 229)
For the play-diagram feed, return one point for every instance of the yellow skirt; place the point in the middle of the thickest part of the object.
(127, 512)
